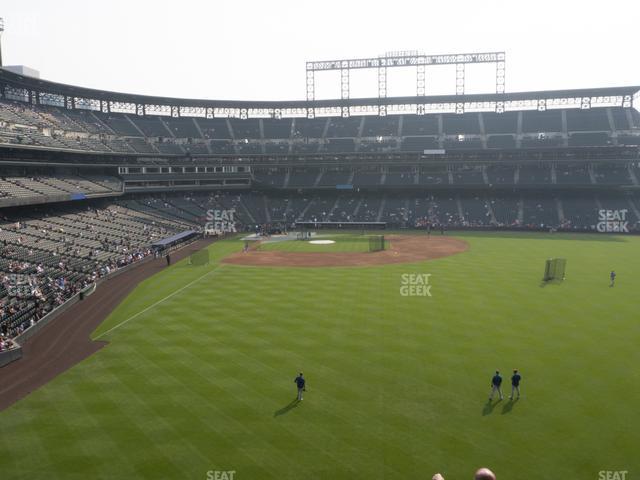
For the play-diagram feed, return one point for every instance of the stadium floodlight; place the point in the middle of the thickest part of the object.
(408, 58)
(1, 30)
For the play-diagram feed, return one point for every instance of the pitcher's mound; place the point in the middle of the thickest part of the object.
(402, 249)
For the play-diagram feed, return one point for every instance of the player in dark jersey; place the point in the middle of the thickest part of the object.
(515, 384)
(300, 383)
(496, 381)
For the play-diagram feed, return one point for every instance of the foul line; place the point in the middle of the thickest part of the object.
(157, 303)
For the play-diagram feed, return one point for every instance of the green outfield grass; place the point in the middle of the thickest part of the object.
(344, 242)
(202, 379)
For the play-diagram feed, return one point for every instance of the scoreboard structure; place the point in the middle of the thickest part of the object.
(405, 59)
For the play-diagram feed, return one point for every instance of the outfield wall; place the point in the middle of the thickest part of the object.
(35, 328)
(44, 321)
(9, 356)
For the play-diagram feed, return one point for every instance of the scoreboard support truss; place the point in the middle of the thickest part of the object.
(405, 59)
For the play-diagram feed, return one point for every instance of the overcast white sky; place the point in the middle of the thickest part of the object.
(256, 50)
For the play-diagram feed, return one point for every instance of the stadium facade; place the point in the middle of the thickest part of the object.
(90, 179)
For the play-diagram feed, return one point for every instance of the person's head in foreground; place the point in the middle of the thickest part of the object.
(484, 474)
(481, 474)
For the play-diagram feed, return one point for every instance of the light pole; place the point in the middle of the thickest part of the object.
(1, 30)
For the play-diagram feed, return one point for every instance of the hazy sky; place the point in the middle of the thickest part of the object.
(257, 49)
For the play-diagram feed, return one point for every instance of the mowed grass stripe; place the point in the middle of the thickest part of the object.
(255, 369)
(397, 385)
(165, 283)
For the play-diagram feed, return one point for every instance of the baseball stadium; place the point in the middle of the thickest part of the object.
(169, 266)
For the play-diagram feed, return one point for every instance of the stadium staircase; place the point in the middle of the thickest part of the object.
(301, 217)
(483, 134)
(102, 124)
(598, 202)
(287, 177)
(267, 211)
(166, 127)
(565, 133)
(383, 178)
(358, 206)
(492, 215)
(287, 210)
(334, 207)
(633, 207)
(459, 207)
(560, 209)
(485, 176)
(135, 126)
(381, 208)
(521, 211)
(246, 211)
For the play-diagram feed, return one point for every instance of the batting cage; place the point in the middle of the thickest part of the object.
(199, 257)
(376, 243)
(554, 269)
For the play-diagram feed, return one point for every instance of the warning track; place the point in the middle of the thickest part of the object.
(66, 340)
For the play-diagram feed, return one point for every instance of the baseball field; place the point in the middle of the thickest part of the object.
(340, 242)
(197, 378)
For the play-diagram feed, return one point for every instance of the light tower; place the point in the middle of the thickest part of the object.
(1, 30)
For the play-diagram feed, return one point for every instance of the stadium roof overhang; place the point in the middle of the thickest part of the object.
(37, 91)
